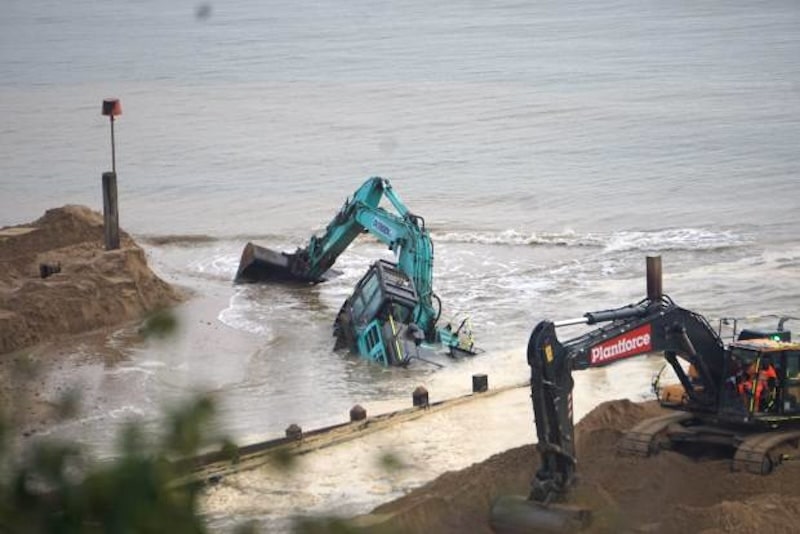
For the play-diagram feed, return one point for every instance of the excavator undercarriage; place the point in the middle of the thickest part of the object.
(757, 452)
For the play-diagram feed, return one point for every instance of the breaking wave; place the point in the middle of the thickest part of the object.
(655, 240)
(513, 237)
(675, 239)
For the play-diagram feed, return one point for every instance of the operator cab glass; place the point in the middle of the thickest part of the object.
(791, 383)
(762, 383)
(384, 291)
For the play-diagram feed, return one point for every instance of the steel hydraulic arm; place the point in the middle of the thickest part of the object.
(649, 326)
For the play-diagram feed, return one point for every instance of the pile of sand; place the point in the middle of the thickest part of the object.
(95, 288)
(666, 493)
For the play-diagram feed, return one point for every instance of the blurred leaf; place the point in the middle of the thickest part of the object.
(4, 433)
(131, 441)
(68, 405)
(391, 462)
(187, 426)
(25, 367)
(160, 324)
(230, 450)
(285, 459)
(58, 488)
(49, 460)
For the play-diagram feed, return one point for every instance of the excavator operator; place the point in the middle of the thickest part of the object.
(758, 388)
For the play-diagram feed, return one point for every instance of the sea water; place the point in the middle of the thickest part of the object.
(549, 146)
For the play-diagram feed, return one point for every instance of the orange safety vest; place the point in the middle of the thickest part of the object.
(761, 383)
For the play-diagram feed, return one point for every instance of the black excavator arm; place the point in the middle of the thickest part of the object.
(657, 325)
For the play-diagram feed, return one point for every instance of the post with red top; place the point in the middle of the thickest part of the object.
(111, 108)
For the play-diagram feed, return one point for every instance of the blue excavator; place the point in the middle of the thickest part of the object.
(393, 310)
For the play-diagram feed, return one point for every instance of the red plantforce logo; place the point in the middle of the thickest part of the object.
(635, 342)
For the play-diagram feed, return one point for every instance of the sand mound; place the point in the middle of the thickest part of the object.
(667, 493)
(95, 288)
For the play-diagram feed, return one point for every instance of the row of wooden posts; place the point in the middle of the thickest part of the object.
(419, 399)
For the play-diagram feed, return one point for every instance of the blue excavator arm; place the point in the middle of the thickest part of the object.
(403, 232)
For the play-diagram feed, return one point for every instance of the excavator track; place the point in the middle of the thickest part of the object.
(641, 440)
(753, 454)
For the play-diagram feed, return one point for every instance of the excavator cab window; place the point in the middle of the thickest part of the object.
(791, 383)
(366, 299)
(759, 379)
(384, 290)
(735, 391)
(401, 313)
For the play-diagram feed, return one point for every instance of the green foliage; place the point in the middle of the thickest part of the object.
(285, 460)
(160, 324)
(391, 462)
(56, 487)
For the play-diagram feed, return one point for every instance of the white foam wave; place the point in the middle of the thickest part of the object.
(656, 240)
(224, 266)
(516, 238)
(674, 239)
(240, 315)
(128, 370)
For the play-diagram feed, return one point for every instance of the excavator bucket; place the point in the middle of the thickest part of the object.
(260, 264)
(514, 514)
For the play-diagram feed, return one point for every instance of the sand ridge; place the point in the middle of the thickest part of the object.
(95, 288)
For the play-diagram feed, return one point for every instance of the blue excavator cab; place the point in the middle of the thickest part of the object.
(376, 321)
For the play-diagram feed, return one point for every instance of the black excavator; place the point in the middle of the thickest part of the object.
(743, 396)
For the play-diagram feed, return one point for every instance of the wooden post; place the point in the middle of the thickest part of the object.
(420, 397)
(357, 413)
(654, 286)
(110, 211)
(113, 149)
(480, 383)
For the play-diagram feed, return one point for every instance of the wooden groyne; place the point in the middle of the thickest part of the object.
(211, 467)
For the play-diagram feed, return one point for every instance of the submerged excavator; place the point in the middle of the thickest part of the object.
(393, 310)
(743, 397)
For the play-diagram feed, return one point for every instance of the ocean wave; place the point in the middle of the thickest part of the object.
(516, 238)
(244, 314)
(674, 239)
(217, 267)
(179, 240)
(656, 240)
